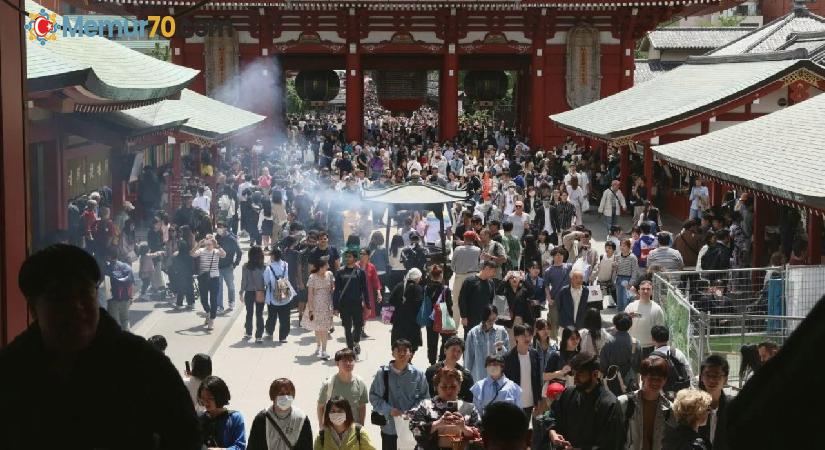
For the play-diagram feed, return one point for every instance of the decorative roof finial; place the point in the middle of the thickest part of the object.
(800, 9)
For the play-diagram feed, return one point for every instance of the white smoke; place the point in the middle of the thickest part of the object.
(258, 88)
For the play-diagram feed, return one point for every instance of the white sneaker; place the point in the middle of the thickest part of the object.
(324, 355)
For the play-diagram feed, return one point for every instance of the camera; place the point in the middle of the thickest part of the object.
(452, 406)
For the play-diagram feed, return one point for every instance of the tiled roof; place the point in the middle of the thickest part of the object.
(207, 118)
(692, 88)
(647, 69)
(772, 36)
(151, 117)
(782, 154)
(813, 42)
(694, 38)
(115, 71)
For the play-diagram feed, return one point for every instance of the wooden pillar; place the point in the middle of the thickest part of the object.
(760, 210)
(173, 186)
(648, 170)
(538, 113)
(354, 81)
(449, 94)
(448, 91)
(14, 227)
(624, 167)
(177, 44)
(814, 238)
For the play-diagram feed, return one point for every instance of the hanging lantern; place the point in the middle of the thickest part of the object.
(486, 85)
(317, 86)
(401, 91)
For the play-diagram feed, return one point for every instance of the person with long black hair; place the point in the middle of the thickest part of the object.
(253, 292)
(397, 269)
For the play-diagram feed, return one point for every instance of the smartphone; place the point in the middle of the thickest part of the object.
(188, 368)
(452, 406)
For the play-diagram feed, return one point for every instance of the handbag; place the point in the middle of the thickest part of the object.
(500, 302)
(376, 418)
(437, 318)
(448, 325)
(594, 294)
(386, 314)
(260, 296)
(423, 317)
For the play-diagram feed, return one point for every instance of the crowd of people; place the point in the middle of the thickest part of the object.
(509, 309)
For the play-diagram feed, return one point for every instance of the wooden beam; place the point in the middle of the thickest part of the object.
(14, 193)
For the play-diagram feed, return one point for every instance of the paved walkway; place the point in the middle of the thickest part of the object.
(249, 368)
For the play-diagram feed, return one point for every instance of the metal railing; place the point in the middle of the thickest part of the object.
(725, 310)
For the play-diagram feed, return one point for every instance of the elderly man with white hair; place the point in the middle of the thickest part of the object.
(573, 301)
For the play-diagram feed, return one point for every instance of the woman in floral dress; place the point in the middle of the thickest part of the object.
(318, 312)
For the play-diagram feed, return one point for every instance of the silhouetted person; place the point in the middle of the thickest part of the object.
(74, 379)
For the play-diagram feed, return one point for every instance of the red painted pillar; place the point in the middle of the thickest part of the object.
(814, 238)
(760, 210)
(538, 112)
(355, 94)
(648, 171)
(177, 45)
(14, 227)
(175, 182)
(449, 94)
(624, 167)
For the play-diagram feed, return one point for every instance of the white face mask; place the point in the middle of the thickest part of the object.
(284, 401)
(494, 371)
(337, 418)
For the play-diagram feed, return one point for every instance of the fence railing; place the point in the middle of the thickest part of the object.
(721, 311)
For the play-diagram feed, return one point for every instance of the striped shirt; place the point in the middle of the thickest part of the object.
(208, 261)
(627, 266)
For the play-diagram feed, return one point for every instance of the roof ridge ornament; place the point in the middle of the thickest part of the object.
(800, 9)
(798, 53)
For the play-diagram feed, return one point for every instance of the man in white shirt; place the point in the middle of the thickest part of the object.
(521, 365)
(573, 301)
(646, 314)
(519, 219)
(202, 201)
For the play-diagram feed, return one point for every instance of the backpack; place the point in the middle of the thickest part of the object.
(677, 376)
(414, 257)
(357, 435)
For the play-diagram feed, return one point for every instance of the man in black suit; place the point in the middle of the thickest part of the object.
(573, 301)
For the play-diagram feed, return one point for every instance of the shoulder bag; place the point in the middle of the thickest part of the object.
(376, 417)
(280, 431)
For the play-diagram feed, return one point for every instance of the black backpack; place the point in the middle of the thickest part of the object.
(677, 374)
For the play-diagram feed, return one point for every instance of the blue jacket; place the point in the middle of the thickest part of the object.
(229, 431)
(486, 391)
(407, 390)
(481, 344)
(566, 308)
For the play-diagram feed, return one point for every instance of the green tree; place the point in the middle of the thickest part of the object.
(162, 53)
(294, 103)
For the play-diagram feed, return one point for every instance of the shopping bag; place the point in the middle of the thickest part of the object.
(595, 294)
(436, 318)
(406, 440)
(423, 317)
(386, 314)
(500, 302)
(448, 325)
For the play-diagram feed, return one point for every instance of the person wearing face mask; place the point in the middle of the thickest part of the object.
(495, 387)
(281, 426)
(221, 428)
(340, 430)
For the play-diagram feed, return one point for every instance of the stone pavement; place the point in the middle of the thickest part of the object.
(249, 368)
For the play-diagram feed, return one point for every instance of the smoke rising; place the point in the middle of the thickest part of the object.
(258, 87)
